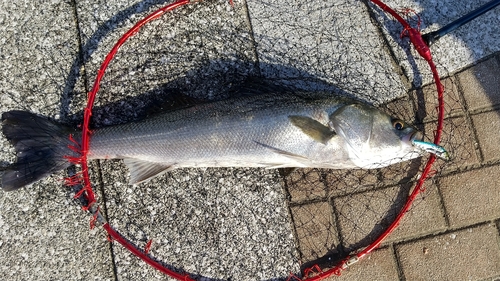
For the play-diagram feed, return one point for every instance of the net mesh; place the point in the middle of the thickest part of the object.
(248, 224)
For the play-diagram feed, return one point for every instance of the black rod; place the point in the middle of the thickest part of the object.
(432, 37)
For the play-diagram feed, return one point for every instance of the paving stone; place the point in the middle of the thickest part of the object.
(342, 182)
(480, 84)
(471, 197)
(313, 39)
(401, 108)
(218, 223)
(401, 173)
(469, 254)
(457, 138)
(305, 184)
(425, 216)
(200, 50)
(44, 234)
(487, 126)
(452, 52)
(39, 51)
(427, 101)
(362, 217)
(379, 265)
(315, 229)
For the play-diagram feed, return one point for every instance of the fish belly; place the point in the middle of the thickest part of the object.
(210, 137)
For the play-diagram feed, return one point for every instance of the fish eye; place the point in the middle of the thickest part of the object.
(398, 124)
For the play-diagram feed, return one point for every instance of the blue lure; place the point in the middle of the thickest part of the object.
(430, 147)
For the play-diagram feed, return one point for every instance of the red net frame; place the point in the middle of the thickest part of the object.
(313, 273)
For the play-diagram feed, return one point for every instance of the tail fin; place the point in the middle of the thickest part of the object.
(41, 145)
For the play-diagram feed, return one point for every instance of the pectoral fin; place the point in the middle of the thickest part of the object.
(312, 128)
(141, 170)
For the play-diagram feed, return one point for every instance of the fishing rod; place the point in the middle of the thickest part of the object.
(432, 37)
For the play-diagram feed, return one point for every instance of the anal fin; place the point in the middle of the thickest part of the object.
(141, 171)
(295, 157)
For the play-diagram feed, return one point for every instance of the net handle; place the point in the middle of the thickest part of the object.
(424, 51)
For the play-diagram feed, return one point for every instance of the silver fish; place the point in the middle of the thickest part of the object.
(268, 130)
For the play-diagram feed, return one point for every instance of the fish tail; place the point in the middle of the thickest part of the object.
(42, 147)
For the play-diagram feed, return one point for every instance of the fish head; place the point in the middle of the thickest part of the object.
(373, 138)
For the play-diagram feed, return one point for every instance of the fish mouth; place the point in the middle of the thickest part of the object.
(415, 136)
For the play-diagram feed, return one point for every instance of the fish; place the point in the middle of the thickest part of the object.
(271, 130)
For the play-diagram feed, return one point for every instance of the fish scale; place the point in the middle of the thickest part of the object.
(273, 130)
(225, 134)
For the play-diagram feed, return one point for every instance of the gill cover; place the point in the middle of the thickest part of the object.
(354, 123)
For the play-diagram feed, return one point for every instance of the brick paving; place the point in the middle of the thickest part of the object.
(480, 85)
(465, 254)
(381, 265)
(468, 197)
(453, 233)
(485, 124)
